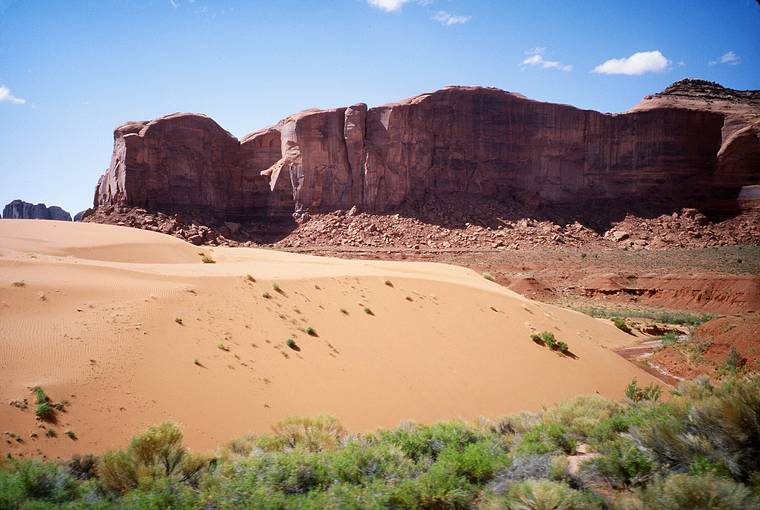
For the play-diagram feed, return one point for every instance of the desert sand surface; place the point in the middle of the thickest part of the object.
(132, 328)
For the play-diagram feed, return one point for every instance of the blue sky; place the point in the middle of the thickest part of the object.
(70, 71)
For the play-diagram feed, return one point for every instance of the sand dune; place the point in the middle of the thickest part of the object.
(90, 313)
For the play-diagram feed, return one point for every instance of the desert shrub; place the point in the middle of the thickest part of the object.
(33, 480)
(722, 427)
(311, 434)
(207, 259)
(476, 462)
(311, 331)
(734, 362)
(368, 311)
(582, 415)
(40, 396)
(619, 323)
(292, 344)
(521, 468)
(82, 467)
(422, 441)
(44, 411)
(154, 454)
(684, 492)
(635, 393)
(546, 438)
(360, 464)
(159, 495)
(545, 337)
(620, 464)
(669, 338)
(541, 495)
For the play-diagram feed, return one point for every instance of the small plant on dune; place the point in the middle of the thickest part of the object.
(207, 259)
(368, 311)
(311, 331)
(51, 433)
(197, 362)
(563, 347)
(223, 347)
(389, 283)
(292, 344)
(649, 393)
(266, 295)
(250, 278)
(39, 395)
(489, 277)
(19, 284)
(71, 435)
(178, 320)
(44, 411)
(344, 311)
(621, 325)
(276, 287)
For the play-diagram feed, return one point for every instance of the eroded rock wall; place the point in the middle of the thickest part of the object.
(480, 141)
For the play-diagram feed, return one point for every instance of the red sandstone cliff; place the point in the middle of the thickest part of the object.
(480, 141)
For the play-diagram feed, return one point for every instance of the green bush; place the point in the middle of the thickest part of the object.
(542, 495)
(427, 442)
(621, 325)
(311, 434)
(722, 427)
(684, 492)
(154, 454)
(620, 464)
(32, 480)
(546, 438)
(651, 392)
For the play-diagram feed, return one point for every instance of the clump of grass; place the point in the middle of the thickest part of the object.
(292, 344)
(368, 311)
(197, 362)
(344, 311)
(44, 411)
(40, 396)
(276, 287)
(250, 278)
(649, 393)
(71, 434)
(19, 284)
(266, 295)
(734, 362)
(669, 338)
(389, 283)
(311, 331)
(207, 259)
(548, 339)
(409, 298)
(223, 347)
(178, 320)
(619, 323)
(488, 277)
(51, 433)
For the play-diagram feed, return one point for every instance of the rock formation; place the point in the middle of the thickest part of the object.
(18, 209)
(481, 142)
(736, 180)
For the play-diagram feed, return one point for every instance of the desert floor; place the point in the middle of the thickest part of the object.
(132, 328)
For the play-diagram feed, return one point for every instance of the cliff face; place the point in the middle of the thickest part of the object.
(18, 209)
(737, 172)
(479, 141)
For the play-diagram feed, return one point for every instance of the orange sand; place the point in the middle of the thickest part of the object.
(94, 323)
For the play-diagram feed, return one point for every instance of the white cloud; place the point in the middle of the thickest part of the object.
(635, 65)
(7, 97)
(446, 18)
(174, 3)
(536, 58)
(729, 58)
(388, 5)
